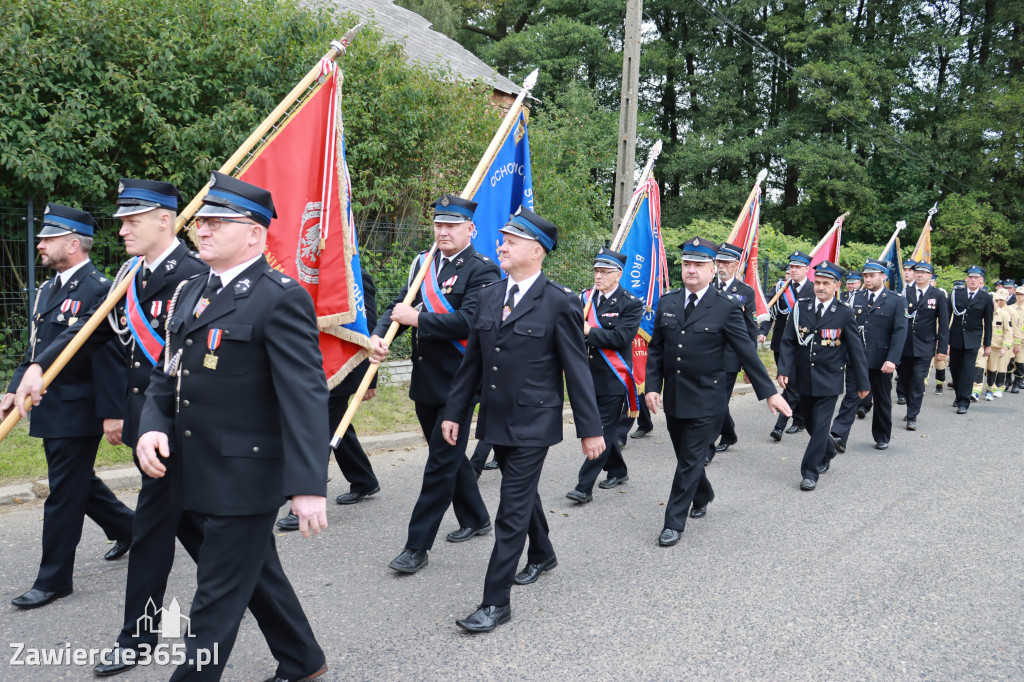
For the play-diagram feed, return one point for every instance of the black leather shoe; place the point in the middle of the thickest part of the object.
(486, 618)
(34, 598)
(881, 446)
(491, 465)
(901, 401)
(529, 575)
(351, 497)
(776, 434)
(840, 443)
(911, 425)
(119, 549)
(699, 512)
(795, 428)
(409, 561)
(622, 443)
(612, 481)
(312, 676)
(824, 467)
(961, 409)
(289, 522)
(640, 433)
(669, 537)
(577, 496)
(861, 413)
(463, 534)
(117, 661)
(808, 484)
(722, 447)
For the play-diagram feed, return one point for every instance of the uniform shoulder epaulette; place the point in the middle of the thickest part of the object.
(564, 290)
(482, 257)
(281, 279)
(630, 295)
(192, 277)
(497, 281)
(194, 254)
(99, 277)
(671, 291)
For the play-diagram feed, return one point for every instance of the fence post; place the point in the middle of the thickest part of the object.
(30, 254)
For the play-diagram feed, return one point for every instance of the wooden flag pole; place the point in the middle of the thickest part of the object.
(485, 161)
(118, 292)
(779, 293)
(620, 234)
(746, 206)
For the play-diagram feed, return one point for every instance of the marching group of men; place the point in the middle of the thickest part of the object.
(209, 369)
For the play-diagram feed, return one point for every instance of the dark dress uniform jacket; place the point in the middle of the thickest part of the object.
(90, 388)
(973, 329)
(884, 326)
(518, 366)
(744, 295)
(686, 354)
(817, 368)
(180, 265)
(619, 315)
(805, 292)
(435, 358)
(928, 331)
(254, 430)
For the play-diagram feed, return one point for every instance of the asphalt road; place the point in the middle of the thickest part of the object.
(904, 564)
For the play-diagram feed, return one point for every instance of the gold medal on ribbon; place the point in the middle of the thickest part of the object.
(213, 339)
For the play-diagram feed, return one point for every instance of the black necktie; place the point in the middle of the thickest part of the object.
(510, 301)
(600, 299)
(54, 288)
(146, 272)
(208, 293)
(690, 306)
(970, 296)
(820, 311)
(871, 301)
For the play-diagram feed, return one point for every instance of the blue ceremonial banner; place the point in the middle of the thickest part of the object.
(505, 187)
(646, 271)
(895, 264)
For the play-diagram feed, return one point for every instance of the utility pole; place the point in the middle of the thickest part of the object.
(625, 164)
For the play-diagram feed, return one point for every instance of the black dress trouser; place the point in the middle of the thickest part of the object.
(610, 407)
(691, 439)
(352, 460)
(816, 412)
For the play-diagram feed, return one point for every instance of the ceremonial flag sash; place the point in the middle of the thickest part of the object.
(615, 361)
(789, 295)
(146, 337)
(434, 300)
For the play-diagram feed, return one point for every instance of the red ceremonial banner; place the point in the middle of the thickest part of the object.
(302, 165)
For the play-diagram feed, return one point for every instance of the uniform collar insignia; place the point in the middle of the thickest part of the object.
(170, 264)
(242, 286)
(459, 261)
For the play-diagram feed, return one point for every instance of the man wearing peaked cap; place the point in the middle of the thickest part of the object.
(800, 288)
(686, 362)
(881, 316)
(927, 338)
(82, 403)
(854, 283)
(527, 335)
(439, 319)
(236, 415)
(610, 327)
(970, 333)
(820, 342)
(727, 262)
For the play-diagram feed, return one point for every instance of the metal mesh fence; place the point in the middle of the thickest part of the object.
(386, 251)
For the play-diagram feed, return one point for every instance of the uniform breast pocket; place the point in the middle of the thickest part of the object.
(227, 349)
(251, 445)
(530, 329)
(669, 323)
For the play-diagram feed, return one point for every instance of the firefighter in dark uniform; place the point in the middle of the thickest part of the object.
(727, 261)
(237, 406)
(854, 283)
(927, 338)
(970, 332)
(801, 288)
(440, 315)
(610, 350)
(527, 333)
(686, 360)
(820, 343)
(903, 379)
(882, 318)
(85, 401)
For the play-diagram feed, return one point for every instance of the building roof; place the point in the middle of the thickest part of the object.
(424, 45)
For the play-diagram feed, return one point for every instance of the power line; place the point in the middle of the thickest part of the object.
(791, 70)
